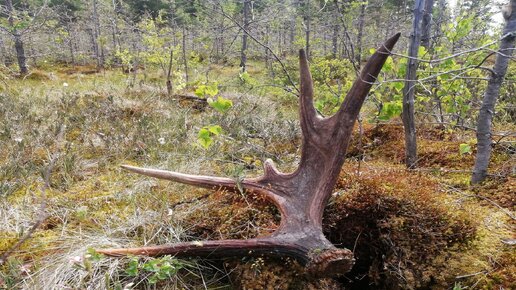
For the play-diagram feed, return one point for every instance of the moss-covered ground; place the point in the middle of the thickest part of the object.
(422, 229)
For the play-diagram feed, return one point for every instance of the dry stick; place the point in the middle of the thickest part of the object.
(190, 97)
(42, 216)
(421, 81)
(459, 71)
(471, 275)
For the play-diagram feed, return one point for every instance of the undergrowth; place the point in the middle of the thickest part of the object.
(419, 229)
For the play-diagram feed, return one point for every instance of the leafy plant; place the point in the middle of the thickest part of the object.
(390, 110)
(132, 267)
(206, 134)
(207, 90)
(221, 104)
(157, 269)
(464, 149)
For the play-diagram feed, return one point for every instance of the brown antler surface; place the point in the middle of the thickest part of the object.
(300, 196)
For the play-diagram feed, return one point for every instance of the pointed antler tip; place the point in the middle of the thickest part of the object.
(302, 54)
(131, 168)
(389, 44)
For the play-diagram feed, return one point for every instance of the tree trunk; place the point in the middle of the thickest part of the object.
(361, 22)
(185, 58)
(20, 53)
(281, 51)
(243, 51)
(300, 196)
(409, 90)
(32, 51)
(427, 24)
(18, 41)
(117, 9)
(324, 38)
(307, 19)
(169, 73)
(70, 43)
(97, 49)
(268, 63)
(335, 36)
(292, 30)
(492, 92)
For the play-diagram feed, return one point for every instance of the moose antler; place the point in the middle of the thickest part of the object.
(300, 196)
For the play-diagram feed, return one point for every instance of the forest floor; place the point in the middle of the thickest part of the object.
(424, 228)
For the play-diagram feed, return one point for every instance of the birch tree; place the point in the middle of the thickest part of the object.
(485, 118)
(409, 89)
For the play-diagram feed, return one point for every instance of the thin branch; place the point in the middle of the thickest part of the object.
(438, 60)
(504, 210)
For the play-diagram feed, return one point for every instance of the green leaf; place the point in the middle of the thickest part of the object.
(390, 110)
(389, 64)
(153, 279)
(212, 90)
(204, 138)
(152, 265)
(215, 129)
(398, 86)
(132, 267)
(200, 91)
(463, 28)
(203, 133)
(421, 51)
(204, 91)
(221, 104)
(464, 149)
(445, 76)
(94, 256)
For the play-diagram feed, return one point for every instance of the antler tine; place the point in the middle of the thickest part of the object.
(306, 104)
(209, 182)
(358, 92)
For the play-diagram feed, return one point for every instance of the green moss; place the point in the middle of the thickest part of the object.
(7, 240)
(406, 231)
